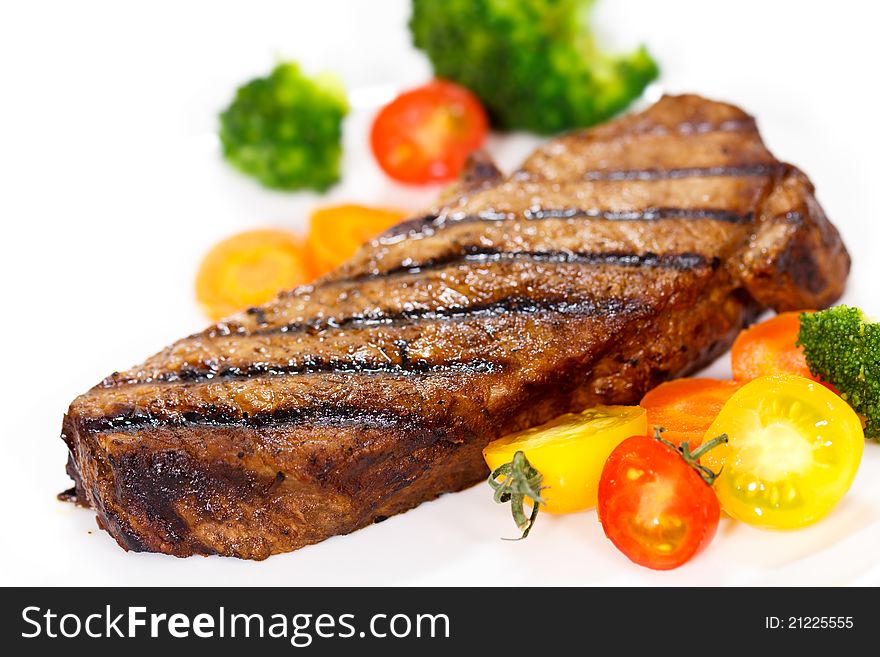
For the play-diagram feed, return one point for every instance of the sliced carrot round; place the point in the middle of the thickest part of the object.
(769, 348)
(249, 269)
(336, 232)
(685, 408)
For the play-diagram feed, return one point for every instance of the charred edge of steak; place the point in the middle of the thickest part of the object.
(154, 482)
(152, 486)
(799, 261)
(149, 486)
(168, 500)
(76, 493)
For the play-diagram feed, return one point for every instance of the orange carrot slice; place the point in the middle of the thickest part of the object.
(686, 408)
(249, 269)
(769, 348)
(336, 232)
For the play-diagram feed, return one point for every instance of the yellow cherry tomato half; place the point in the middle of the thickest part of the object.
(792, 452)
(570, 452)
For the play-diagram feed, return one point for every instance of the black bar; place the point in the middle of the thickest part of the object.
(501, 620)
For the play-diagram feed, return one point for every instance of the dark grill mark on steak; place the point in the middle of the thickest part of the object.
(648, 214)
(316, 364)
(513, 304)
(739, 171)
(689, 128)
(433, 222)
(472, 254)
(704, 127)
(320, 415)
(259, 315)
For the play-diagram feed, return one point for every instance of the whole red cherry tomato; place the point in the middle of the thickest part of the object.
(426, 134)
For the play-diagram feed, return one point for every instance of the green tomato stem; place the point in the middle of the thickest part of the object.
(692, 458)
(520, 480)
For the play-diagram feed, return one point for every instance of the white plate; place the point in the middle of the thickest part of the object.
(113, 188)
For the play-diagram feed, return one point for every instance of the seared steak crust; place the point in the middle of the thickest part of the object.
(612, 260)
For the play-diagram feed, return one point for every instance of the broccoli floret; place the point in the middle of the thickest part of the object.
(843, 348)
(533, 63)
(286, 129)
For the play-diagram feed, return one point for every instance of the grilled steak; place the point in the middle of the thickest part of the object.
(614, 259)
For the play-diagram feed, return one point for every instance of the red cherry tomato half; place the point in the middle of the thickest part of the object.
(655, 507)
(426, 134)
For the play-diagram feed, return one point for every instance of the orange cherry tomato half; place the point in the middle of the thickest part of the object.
(685, 408)
(655, 507)
(426, 134)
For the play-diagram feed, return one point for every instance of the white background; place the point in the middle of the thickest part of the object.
(111, 188)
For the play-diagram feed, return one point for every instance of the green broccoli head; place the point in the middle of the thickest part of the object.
(286, 129)
(843, 348)
(533, 63)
